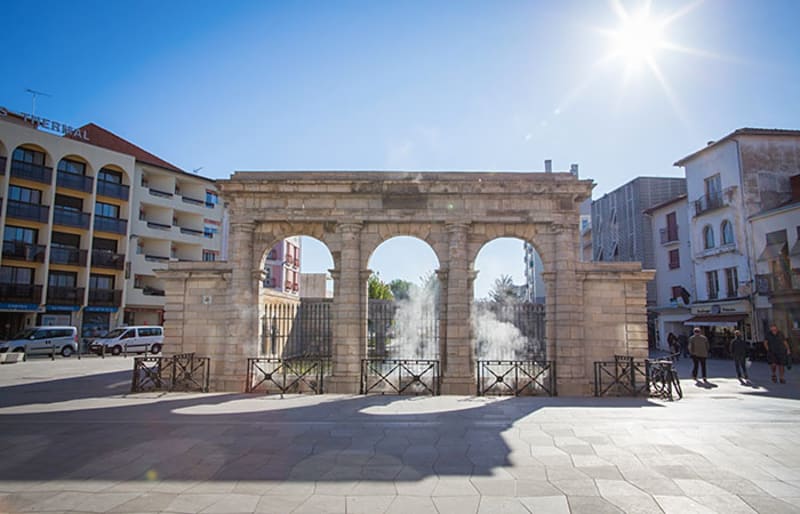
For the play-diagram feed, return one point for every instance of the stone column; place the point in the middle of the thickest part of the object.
(458, 376)
(349, 313)
(441, 275)
(244, 298)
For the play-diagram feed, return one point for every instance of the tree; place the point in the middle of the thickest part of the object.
(401, 289)
(504, 290)
(378, 289)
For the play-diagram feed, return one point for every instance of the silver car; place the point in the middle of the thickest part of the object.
(43, 341)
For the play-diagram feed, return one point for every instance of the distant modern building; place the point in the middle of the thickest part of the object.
(315, 285)
(674, 282)
(742, 218)
(621, 231)
(282, 267)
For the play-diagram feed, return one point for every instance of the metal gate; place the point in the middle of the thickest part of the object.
(291, 331)
(513, 331)
(517, 378)
(402, 329)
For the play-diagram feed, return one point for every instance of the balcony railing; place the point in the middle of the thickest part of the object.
(71, 256)
(158, 226)
(73, 181)
(156, 258)
(70, 218)
(152, 291)
(113, 225)
(191, 231)
(107, 259)
(65, 295)
(772, 283)
(193, 201)
(30, 171)
(3, 161)
(158, 192)
(106, 297)
(668, 235)
(712, 201)
(23, 251)
(112, 190)
(25, 293)
(28, 211)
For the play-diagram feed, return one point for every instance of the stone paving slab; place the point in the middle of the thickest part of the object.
(75, 441)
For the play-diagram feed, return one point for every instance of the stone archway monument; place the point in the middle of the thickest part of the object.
(593, 310)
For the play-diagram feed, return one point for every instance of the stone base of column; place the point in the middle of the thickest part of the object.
(574, 388)
(226, 385)
(459, 386)
(343, 384)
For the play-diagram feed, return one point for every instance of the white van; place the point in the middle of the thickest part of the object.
(43, 340)
(130, 340)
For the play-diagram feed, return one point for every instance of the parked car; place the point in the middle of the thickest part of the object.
(43, 340)
(129, 339)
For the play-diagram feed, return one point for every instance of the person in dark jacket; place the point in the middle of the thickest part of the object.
(738, 350)
(778, 352)
(699, 348)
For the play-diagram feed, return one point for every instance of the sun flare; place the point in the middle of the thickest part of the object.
(638, 39)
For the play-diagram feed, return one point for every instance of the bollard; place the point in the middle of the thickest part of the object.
(125, 349)
(24, 353)
(52, 352)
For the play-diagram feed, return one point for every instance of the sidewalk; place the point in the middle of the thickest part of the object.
(74, 441)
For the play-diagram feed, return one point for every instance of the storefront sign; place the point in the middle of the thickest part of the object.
(100, 309)
(59, 308)
(44, 123)
(31, 307)
(737, 307)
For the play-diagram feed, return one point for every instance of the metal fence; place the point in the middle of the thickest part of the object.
(182, 372)
(517, 378)
(509, 331)
(297, 330)
(275, 375)
(398, 376)
(624, 376)
(403, 329)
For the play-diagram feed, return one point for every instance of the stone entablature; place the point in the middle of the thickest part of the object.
(456, 213)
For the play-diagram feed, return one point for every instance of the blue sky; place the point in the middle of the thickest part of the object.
(388, 85)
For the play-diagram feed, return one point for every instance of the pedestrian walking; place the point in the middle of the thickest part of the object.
(698, 348)
(738, 350)
(674, 347)
(683, 340)
(778, 352)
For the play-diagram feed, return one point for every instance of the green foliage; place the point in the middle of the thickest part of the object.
(503, 290)
(378, 289)
(400, 288)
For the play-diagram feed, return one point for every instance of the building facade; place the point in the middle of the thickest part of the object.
(746, 173)
(674, 281)
(282, 267)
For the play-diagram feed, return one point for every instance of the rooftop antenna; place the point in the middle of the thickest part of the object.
(197, 170)
(34, 94)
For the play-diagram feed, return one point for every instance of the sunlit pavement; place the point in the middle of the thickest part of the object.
(74, 441)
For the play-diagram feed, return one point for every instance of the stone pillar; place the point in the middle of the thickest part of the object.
(441, 275)
(349, 313)
(244, 298)
(458, 375)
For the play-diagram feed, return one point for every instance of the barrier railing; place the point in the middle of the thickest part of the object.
(397, 376)
(624, 376)
(182, 372)
(517, 378)
(277, 375)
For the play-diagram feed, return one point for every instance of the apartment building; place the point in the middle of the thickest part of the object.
(282, 267)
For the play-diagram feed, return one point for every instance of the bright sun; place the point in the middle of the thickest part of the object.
(637, 39)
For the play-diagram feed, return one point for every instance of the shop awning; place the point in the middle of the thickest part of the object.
(772, 251)
(716, 320)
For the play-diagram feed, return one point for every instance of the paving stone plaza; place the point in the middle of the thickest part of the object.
(74, 440)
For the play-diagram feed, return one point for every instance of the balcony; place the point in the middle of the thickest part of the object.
(57, 295)
(193, 201)
(113, 225)
(30, 171)
(715, 200)
(113, 190)
(69, 256)
(2, 165)
(23, 293)
(160, 193)
(777, 283)
(152, 291)
(75, 182)
(155, 258)
(105, 297)
(158, 226)
(668, 235)
(70, 217)
(28, 211)
(108, 259)
(191, 232)
(23, 251)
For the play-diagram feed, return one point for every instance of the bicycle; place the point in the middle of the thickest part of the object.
(663, 378)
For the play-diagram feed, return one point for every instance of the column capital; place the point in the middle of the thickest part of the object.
(259, 275)
(365, 273)
(456, 226)
(243, 226)
(349, 227)
(335, 274)
(442, 273)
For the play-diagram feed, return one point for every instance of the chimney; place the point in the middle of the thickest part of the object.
(548, 166)
(573, 168)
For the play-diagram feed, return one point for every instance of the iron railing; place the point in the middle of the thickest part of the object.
(395, 376)
(70, 218)
(402, 329)
(516, 378)
(31, 171)
(74, 181)
(28, 211)
(182, 372)
(107, 259)
(510, 331)
(624, 376)
(113, 190)
(23, 251)
(297, 330)
(276, 375)
(108, 224)
(65, 255)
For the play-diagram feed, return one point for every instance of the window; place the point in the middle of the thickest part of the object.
(727, 232)
(712, 282)
(107, 175)
(62, 240)
(677, 292)
(29, 156)
(24, 194)
(209, 256)
(209, 231)
(708, 237)
(100, 243)
(12, 275)
(101, 281)
(149, 332)
(713, 186)
(672, 227)
(674, 259)
(777, 237)
(106, 210)
(73, 167)
(21, 234)
(211, 199)
(69, 203)
(62, 279)
(732, 282)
